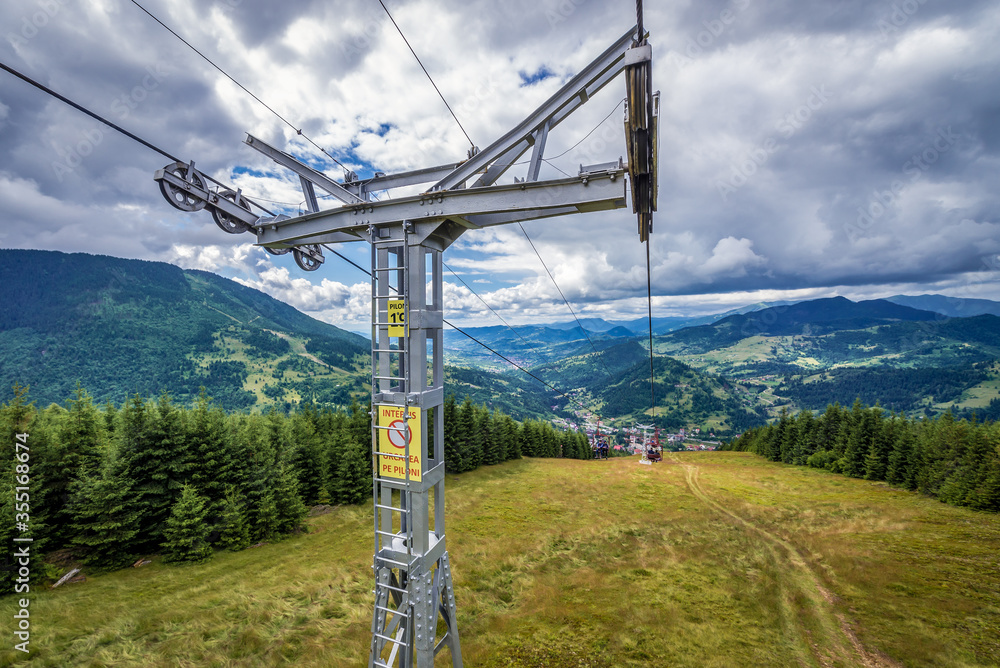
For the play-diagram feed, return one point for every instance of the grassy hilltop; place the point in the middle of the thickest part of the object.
(708, 559)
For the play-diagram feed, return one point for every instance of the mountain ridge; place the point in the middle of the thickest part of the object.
(122, 326)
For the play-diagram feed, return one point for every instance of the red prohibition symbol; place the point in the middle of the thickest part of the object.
(395, 433)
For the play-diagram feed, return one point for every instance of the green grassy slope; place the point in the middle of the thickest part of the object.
(707, 559)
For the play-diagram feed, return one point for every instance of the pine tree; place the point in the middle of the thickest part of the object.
(289, 509)
(354, 476)
(453, 461)
(859, 441)
(783, 447)
(491, 439)
(48, 479)
(14, 418)
(900, 470)
(259, 462)
(110, 419)
(333, 432)
(105, 516)
(359, 424)
(805, 437)
(153, 445)
(498, 429)
(829, 428)
(82, 435)
(528, 439)
(513, 440)
(307, 457)
(185, 536)
(212, 462)
(234, 529)
(877, 459)
(264, 517)
(8, 531)
(987, 496)
(468, 436)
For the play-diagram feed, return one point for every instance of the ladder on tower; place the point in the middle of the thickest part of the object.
(413, 582)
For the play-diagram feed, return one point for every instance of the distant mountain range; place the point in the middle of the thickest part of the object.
(789, 355)
(538, 344)
(953, 307)
(640, 326)
(119, 327)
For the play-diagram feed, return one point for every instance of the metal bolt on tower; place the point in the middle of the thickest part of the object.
(414, 613)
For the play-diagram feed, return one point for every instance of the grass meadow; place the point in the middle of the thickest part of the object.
(705, 559)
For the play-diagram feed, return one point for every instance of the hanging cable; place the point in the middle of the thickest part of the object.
(515, 364)
(76, 106)
(474, 339)
(429, 78)
(111, 125)
(585, 333)
(298, 131)
(649, 306)
(484, 302)
(556, 157)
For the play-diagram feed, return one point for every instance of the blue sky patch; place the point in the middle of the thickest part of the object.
(541, 74)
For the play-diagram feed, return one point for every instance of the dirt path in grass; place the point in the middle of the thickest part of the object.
(834, 642)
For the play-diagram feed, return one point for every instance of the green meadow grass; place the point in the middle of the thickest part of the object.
(705, 559)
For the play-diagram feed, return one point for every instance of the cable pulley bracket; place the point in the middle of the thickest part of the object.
(186, 189)
(642, 113)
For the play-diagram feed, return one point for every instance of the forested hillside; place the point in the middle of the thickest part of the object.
(151, 476)
(129, 326)
(956, 461)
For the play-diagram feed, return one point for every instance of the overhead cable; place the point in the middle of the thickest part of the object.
(474, 339)
(113, 126)
(584, 329)
(298, 131)
(484, 302)
(429, 77)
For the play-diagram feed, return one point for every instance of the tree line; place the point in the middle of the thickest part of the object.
(896, 389)
(107, 484)
(955, 461)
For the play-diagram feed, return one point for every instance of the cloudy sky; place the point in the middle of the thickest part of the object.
(809, 148)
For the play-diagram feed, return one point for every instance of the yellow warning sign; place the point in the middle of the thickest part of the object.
(396, 428)
(397, 317)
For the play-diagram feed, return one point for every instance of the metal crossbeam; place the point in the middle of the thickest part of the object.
(471, 208)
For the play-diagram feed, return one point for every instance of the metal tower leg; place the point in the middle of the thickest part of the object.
(413, 584)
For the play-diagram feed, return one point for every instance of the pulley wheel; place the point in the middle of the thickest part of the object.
(229, 223)
(277, 251)
(179, 197)
(307, 262)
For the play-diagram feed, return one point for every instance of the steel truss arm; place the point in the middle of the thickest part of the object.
(305, 172)
(351, 192)
(473, 208)
(501, 154)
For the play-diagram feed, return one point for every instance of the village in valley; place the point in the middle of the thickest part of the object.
(635, 438)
